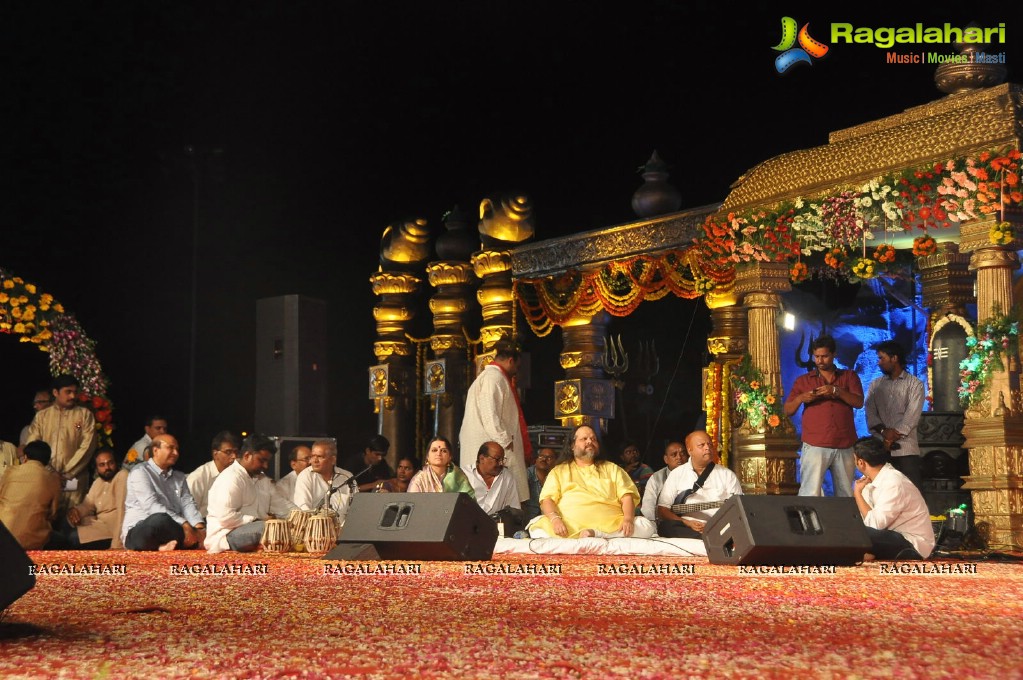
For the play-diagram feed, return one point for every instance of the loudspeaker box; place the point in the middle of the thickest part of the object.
(18, 576)
(418, 526)
(786, 530)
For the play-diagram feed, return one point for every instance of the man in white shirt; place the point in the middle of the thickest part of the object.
(495, 489)
(299, 460)
(240, 499)
(720, 485)
(155, 425)
(225, 451)
(674, 455)
(323, 483)
(897, 519)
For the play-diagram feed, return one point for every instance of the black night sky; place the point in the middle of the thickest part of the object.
(337, 118)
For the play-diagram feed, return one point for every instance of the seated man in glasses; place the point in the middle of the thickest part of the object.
(495, 489)
(225, 450)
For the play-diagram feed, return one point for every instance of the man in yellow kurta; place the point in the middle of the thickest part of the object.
(585, 496)
(70, 431)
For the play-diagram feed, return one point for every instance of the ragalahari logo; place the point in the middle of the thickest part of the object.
(808, 49)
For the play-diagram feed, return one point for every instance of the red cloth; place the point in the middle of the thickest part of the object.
(827, 422)
(526, 444)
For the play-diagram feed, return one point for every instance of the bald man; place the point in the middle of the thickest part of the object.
(719, 484)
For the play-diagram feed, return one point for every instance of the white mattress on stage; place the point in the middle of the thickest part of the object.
(667, 547)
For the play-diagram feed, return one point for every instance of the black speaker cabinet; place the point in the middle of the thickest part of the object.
(18, 578)
(417, 526)
(291, 365)
(786, 530)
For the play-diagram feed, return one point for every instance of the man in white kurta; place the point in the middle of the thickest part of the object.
(323, 479)
(200, 480)
(494, 487)
(70, 431)
(240, 499)
(492, 414)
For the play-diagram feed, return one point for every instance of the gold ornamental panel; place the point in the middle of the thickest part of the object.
(378, 381)
(727, 345)
(435, 377)
(567, 398)
(591, 397)
(761, 277)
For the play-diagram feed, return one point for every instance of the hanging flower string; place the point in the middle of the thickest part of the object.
(39, 319)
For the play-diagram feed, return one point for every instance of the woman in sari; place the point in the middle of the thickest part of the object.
(440, 474)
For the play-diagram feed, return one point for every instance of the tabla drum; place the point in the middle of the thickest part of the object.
(298, 520)
(276, 536)
(321, 533)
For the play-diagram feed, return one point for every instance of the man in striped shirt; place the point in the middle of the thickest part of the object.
(894, 403)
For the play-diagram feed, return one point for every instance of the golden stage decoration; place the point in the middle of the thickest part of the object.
(617, 287)
(717, 399)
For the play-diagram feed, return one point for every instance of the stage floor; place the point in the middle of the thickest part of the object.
(189, 614)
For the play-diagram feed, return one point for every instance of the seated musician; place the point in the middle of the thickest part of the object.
(697, 483)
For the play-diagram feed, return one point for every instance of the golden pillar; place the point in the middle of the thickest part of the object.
(446, 377)
(392, 382)
(994, 426)
(727, 342)
(585, 396)
(494, 295)
(765, 461)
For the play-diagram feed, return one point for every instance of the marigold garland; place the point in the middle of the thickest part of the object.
(757, 408)
(618, 287)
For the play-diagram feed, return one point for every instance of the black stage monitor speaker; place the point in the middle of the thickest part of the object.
(417, 526)
(786, 530)
(18, 578)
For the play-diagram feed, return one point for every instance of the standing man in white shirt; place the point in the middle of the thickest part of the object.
(897, 519)
(225, 451)
(241, 497)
